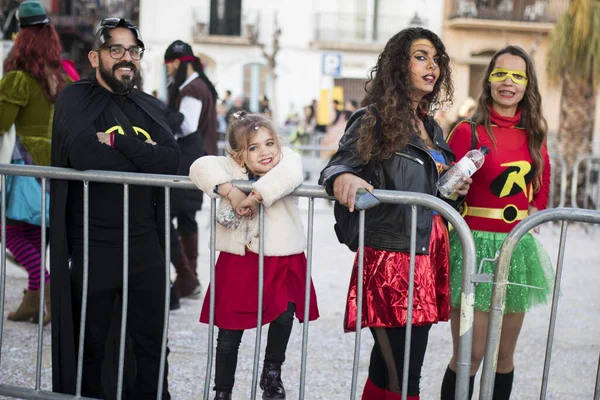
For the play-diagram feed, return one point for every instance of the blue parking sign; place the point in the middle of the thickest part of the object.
(332, 64)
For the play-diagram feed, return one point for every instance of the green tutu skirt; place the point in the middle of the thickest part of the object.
(530, 265)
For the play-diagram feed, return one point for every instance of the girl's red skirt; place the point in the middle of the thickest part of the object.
(385, 285)
(236, 290)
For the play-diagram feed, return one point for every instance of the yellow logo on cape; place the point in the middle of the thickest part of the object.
(119, 129)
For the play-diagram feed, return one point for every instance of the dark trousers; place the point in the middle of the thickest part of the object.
(145, 318)
(186, 225)
(228, 343)
(387, 358)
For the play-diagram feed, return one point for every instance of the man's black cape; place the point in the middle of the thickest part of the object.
(77, 108)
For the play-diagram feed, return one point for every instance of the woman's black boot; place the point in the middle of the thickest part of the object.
(270, 382)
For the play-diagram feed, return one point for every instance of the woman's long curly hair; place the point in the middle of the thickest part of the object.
(389, 90)
(37, 51)
(532, 118)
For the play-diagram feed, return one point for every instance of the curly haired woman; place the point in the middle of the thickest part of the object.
(410, 81)
(33, 77)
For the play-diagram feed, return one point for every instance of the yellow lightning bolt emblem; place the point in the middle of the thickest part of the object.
(139, 130)
(115, 129)
(119, 129)
(516, 177)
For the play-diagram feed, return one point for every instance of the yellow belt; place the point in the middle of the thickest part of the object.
(508, 214)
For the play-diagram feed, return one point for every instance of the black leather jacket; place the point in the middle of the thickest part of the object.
(412, 169)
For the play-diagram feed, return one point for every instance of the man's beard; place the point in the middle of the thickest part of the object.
(123, 85)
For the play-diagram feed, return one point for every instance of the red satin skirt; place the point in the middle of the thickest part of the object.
(236, 290)
(385, 285)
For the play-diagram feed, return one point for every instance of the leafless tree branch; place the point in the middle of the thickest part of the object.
(252, 33)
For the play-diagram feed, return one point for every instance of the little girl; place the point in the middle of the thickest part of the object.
(256, 154)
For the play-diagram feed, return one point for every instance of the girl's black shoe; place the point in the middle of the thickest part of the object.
(270, 382)
(222, 395)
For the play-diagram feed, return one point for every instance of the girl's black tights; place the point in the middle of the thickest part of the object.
(228, 343)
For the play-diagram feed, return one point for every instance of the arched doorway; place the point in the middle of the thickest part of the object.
(254, 83)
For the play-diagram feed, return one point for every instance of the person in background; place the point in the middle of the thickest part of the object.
(227, 101)
(9, 20)
(513, 183)
(319, 129)
(239, 104)
(309, 120)
(337, 112)
(33, 78)
(221, 122)
(305, 130)
(349, 107)
(334, 133)
(194, 97)
(263, 106)
(292, 118)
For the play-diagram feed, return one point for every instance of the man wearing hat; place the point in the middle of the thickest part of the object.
(105, 123)
(193, 95)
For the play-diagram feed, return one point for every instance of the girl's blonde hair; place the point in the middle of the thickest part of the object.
(242, 127)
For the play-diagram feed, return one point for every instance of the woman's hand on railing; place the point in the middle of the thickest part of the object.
(345, 187)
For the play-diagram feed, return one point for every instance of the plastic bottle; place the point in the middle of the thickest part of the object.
(471, 162)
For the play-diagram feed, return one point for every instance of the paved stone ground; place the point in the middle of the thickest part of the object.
(330, 354)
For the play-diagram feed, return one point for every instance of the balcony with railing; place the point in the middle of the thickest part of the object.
(524, 15)
(80, 19)
(215, 26)
(344, 31)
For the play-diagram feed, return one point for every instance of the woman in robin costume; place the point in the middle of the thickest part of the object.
(513, 183)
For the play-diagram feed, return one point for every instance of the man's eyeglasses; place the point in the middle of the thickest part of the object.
(117, 51)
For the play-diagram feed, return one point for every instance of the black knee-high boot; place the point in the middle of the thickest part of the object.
(449, 385)
(503, 385)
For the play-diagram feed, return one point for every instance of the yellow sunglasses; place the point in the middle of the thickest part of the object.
(500, 75)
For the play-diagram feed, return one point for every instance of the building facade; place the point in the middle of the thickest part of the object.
(74, 20)
(473, 30)
(323, 44)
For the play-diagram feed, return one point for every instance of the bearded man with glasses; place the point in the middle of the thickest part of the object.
(105, 123)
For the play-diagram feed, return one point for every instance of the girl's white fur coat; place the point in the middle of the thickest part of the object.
(284, 231)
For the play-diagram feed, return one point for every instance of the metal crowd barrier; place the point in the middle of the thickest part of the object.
(592, 183)
(499, 292)
(556, 159)
(309, 191)
(126, 179)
